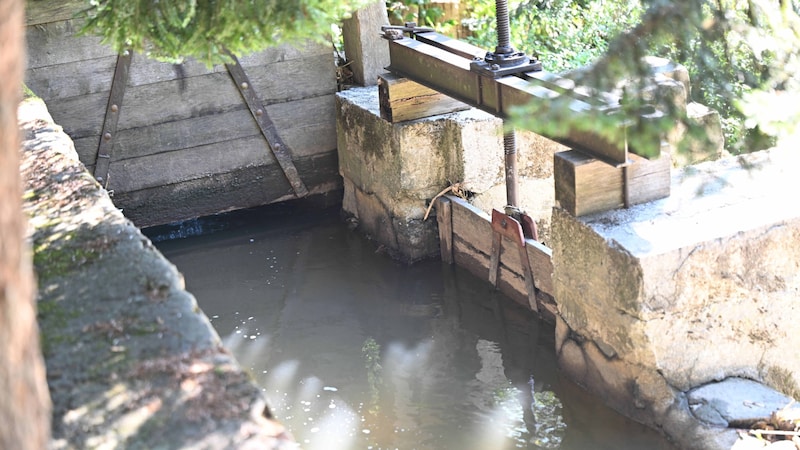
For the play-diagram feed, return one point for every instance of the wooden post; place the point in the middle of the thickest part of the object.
(402, 99)
(367, 52)
(444, 216)
(25, 406)
(585, 185)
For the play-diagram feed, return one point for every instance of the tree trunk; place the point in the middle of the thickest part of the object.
(24, 400)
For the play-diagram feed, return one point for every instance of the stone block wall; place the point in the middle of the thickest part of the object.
(391, 171)
(665, 297)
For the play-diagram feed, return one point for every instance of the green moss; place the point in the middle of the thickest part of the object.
(27, 92)
(52, 318)
(60, 253)
(55, 261)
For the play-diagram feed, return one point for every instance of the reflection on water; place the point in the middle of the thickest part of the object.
(355, 351)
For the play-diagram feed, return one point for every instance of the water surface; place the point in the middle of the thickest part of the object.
(356, 351)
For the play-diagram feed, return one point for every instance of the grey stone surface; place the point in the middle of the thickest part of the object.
(132, 362)
(736, 401)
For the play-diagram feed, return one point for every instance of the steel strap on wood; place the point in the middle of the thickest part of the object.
(505, 225)
(105, 148)
(279, 149)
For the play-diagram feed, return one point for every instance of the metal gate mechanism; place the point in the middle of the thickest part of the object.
(476, 77)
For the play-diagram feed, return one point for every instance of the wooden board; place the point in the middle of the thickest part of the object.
(57, 43)
(241, 188)
(72, 79)
(444, 219)
(509, 283)
(39, 12)
(585, 185)
(304, 126)
(188, 163)
(402, 99)
(367, 53)
(473, 226)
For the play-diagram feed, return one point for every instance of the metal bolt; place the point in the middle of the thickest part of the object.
(259, 112)
(114, 108)
(245, 85)
(495, 66)
(100, 179)
(107, 136)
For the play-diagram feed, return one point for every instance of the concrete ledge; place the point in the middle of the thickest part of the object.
(663, 298)
(392, 170)
(131, 360)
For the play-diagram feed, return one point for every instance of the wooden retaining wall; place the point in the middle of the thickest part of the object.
(465, 236)
(186, 144)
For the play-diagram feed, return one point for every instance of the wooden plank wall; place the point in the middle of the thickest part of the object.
(466, 240)
(186, 144)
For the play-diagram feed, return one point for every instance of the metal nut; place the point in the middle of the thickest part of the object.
(107, 136)
(114, 108)
(245, 85)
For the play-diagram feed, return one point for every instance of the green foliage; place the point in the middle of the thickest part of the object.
(741, 55)
(172, 30)
(422, 12)
(563, 34)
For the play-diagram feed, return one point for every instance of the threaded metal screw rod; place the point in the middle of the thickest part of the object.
(510, 150)
(503, 28)
(509, 138)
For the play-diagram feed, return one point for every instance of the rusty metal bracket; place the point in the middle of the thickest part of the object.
(505, 225)
(279, 149)
(105, 148)
(392, 32)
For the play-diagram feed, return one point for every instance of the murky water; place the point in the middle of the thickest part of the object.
(355, 351)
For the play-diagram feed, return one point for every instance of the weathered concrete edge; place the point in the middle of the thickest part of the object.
(644, 392)
(131, 359)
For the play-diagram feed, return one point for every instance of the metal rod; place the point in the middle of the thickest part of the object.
(503, 28)
(510, 137)
(510, 150)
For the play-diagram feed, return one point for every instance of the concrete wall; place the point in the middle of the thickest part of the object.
(662, 299)
(132, 362)
(391, 171)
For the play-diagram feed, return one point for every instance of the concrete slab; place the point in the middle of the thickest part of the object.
(132, 361)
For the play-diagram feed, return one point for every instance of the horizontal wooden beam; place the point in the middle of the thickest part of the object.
(445, 65)
(402, 99)
(585, 185)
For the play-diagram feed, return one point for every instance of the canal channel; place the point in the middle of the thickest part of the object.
(356, 351)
